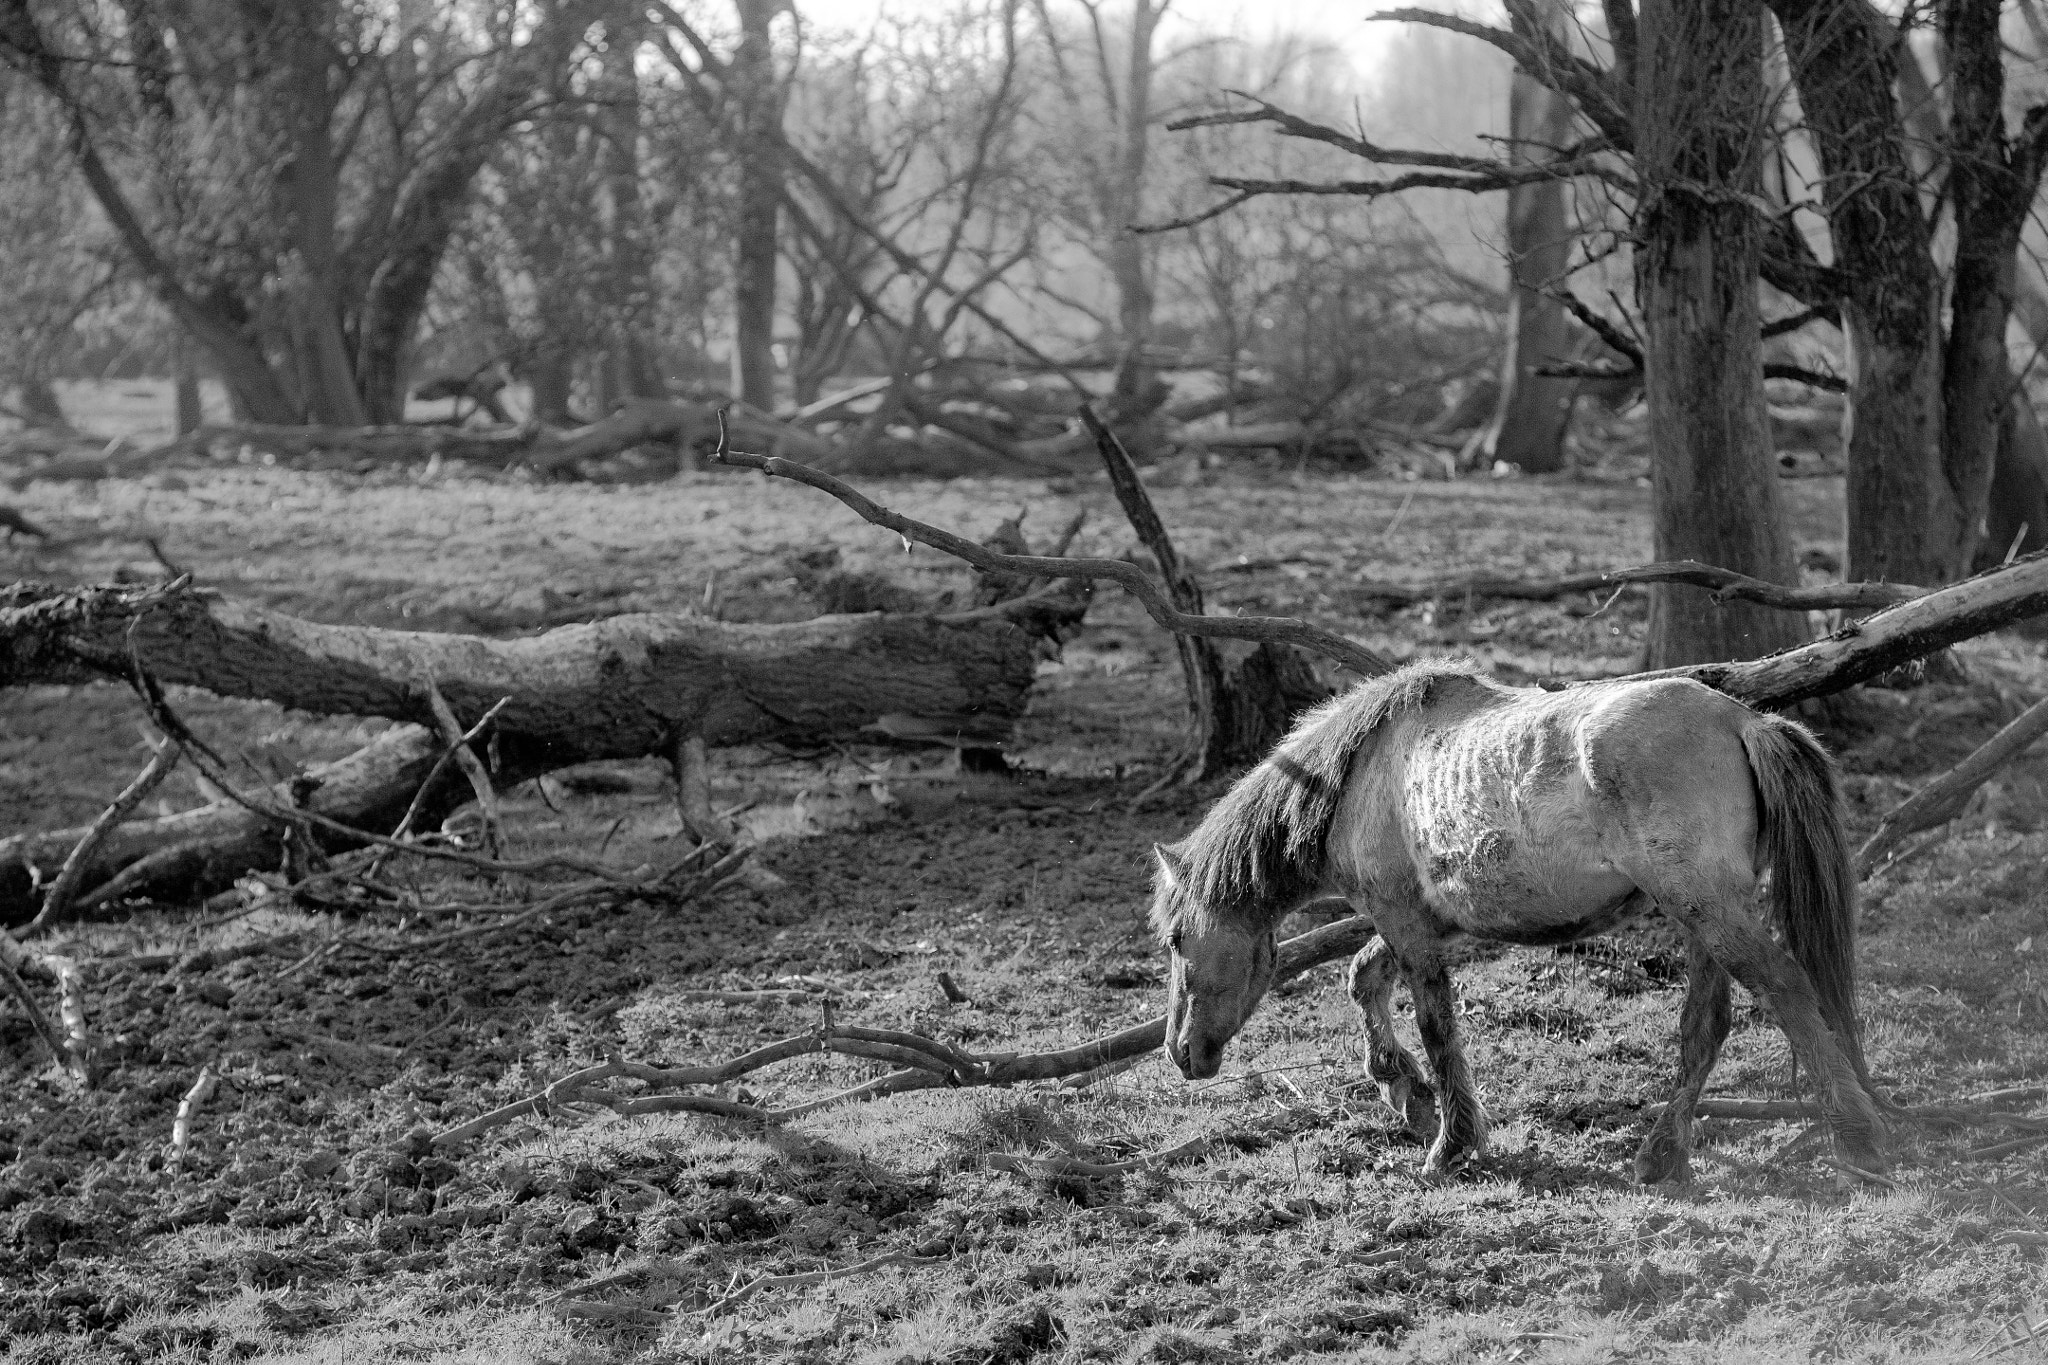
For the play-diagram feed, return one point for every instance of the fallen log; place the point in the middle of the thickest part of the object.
(646, 423)
(625, 687)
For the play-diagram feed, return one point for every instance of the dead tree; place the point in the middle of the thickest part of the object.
(1239, 703)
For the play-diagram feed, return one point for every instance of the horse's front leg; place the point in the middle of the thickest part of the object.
(1418, 945)
(1666, 1153)
(1370, 981)
(1735, 940)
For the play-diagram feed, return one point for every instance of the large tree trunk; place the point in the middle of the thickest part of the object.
(39, 404)
(1992, 187)
(1534, 411)
(625, 687)
(1905, 523)
(760, 200)
(311, 275)
(1714, 481)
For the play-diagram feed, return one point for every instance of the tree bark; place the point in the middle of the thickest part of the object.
(1534, 411)
(189, 412)
(1992, 185)
(39, 404)
(624, 687)
(760, 200)
(631, 370)
(311, 275)
(1905, 522)
(1713, 476)
(1127, 254)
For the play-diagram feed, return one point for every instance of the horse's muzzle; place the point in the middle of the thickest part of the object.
(1198, 1060)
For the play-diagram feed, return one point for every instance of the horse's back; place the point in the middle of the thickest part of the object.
(1516, 811)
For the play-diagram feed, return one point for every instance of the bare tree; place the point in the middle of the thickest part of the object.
(287, 180)
(1530, 420)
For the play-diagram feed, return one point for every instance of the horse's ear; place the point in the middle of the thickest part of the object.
(1172, 871)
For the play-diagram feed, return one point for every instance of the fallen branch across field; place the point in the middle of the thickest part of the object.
(1941, 800)
(1725, 585)
(923, 1063)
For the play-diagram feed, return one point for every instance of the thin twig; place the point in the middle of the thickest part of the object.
(811, 1277)
(480, 783)
(1073, 1165)
(419, 799)
(19, 989)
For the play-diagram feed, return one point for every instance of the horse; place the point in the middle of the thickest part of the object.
(1448, 807)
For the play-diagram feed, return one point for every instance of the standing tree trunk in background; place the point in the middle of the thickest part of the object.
(1534, 411)
(309, 183)
(631, 371)
(39, 404)
(1906, 524)
(1127, 255)
(1699, 246)
(760, 200)
(185, 387)
(1991, 183)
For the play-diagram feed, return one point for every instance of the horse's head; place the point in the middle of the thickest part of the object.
(1217, 972)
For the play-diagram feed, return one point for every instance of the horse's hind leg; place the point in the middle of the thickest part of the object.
(1402, 1084)
(1702, 1028)
(1739, 943)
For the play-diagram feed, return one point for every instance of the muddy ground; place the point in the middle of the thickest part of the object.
(311, 1221)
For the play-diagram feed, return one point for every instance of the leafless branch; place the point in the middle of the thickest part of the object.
(1725, 584)
(804, 1279)
(926, 1063)
(472, 767)
(1496, 176)
(1073, 1165)
(10, 953)
(1279, 630)
(1813, 378)
(57, 900)
(1617, 340)
(1547, 60)
(1943, 799)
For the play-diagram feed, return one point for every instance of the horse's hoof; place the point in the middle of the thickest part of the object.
(1666, 1166)
(1415, 1104)
(1865, 1164)
(1445, 1161)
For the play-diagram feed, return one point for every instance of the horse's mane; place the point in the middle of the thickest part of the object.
(1260, 848)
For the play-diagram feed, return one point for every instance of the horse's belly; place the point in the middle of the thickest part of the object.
(1508, 867)
(1507, 897)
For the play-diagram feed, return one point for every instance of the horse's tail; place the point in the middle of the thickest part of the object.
(1813, 886)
